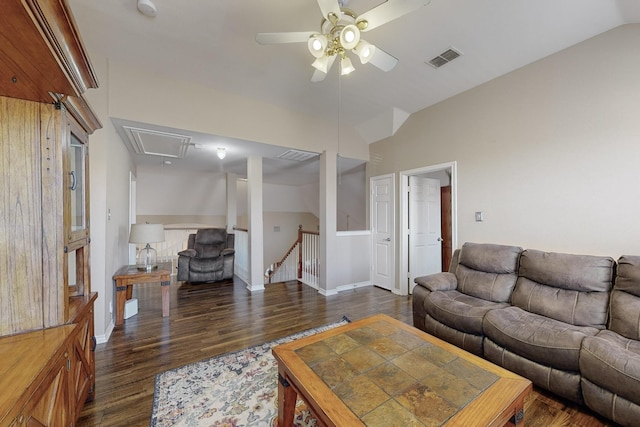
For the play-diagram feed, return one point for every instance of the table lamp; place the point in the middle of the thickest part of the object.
(145, 234)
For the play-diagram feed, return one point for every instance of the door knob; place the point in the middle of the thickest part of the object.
(388, 239)
(439, 239)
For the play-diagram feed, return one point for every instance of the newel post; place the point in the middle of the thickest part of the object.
(300, 251)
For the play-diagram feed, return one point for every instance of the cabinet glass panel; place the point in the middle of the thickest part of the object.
(72, 279)
(77, 272)
(77, 187)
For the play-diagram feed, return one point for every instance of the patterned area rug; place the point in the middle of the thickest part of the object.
(232, 390)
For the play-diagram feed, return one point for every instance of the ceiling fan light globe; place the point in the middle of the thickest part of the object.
(346, 67)
(349, 36)
(317, 44)
(321, 64)
(365, 51)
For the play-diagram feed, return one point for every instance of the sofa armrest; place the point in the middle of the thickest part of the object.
(438, 282)
(191, 253)
(227, 252)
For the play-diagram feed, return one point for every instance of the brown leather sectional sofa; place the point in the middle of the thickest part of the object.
(554, 318)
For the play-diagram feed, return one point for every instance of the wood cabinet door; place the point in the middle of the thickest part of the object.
(83, 363)
(51, 403)
(21, 269)
(76, 208)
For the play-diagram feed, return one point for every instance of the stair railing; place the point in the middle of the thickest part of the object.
(300, 262)
(241, 263)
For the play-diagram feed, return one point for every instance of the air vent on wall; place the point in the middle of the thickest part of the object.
(297, 155)
(444, 58)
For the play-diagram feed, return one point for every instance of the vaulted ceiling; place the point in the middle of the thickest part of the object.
(212, 42)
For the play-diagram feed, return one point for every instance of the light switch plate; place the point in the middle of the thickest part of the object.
(479, 216)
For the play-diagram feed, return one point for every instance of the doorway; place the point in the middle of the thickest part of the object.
(427, 241)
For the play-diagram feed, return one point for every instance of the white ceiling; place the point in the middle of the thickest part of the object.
(212, 42)
(195, 151)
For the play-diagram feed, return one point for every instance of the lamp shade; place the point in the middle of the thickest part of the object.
(346, 67)
(349, 36)
(317, 44)
(146, 233)
(321, 64)
(365, 51)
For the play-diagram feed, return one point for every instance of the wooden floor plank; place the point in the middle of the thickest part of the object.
(217, 319)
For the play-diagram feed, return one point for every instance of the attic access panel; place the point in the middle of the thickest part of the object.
(157, 143)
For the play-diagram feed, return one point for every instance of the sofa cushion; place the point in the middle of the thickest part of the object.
(570, 288)
(538, 338)
(459, 311)
(209, 242)
(625, 299)
(206, 265)
(561, 382)
(610, 405)
(469, 342)
(625, 315)
(487, 271)
(438, 281)
(612, 362)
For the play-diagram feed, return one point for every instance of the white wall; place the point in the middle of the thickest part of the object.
(549, 152)
(163, 191)
(281, 230)
(354, 259)
(147, 96)
(351, 191)
(110, 165)
(284, 206)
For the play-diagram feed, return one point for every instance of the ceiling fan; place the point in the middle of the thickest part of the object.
(340, 33)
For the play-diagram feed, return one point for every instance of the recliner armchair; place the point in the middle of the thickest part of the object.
(209, 256)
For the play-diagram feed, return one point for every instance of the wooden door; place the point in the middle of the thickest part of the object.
(447, 245)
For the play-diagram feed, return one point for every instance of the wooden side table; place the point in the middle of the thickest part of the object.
(129, 275)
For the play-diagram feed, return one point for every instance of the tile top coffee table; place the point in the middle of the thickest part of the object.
(382, 372)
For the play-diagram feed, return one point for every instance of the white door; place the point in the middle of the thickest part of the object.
(425, 242)
(382, 231)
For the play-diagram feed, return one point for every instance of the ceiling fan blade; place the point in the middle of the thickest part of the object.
(329, 6)
(318, 75)
(383, 60)
(390, 10)
(276, 38)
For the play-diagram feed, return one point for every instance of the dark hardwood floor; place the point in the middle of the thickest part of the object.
(209, 320)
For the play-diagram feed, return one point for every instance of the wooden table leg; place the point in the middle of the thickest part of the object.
(129, 292)
(518, 419)
(121, 293)
(165, 298)
(287, 397)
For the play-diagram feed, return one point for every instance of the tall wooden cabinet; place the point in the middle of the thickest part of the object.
(47, 365)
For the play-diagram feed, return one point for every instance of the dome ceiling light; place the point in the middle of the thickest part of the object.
(147, 8)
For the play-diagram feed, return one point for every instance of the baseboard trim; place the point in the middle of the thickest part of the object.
(352, 286)
(102, 339)
(327, 293)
